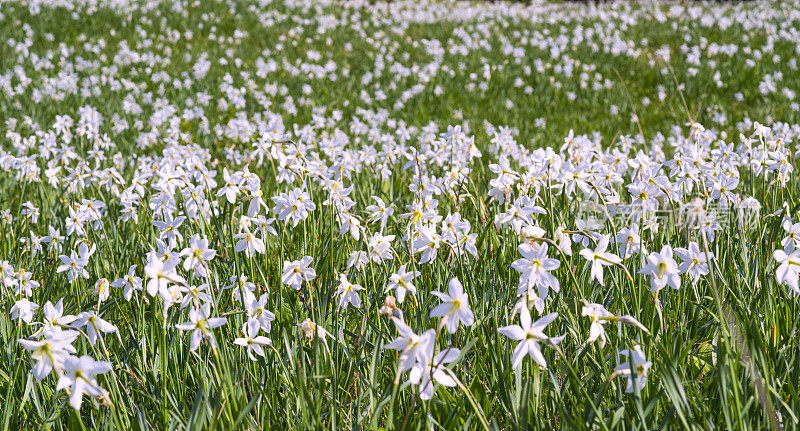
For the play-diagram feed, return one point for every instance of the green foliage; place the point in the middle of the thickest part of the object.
(701, 378)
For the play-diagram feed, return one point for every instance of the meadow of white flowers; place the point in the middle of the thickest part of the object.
(296, 214)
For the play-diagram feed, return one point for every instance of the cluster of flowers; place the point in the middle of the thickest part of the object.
(564, 57)
(174, 189)
(183, 198)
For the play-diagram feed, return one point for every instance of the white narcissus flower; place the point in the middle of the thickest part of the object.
(792, 239)
(357, 259)
(349, 223)
(452, 228)
(249, 243)
(29, 211)
(102, 289)
(194, 294)
(257, 312)
(32, 243)
(534, 267)
(635, 370)
(197, 256)
(23, 310)
(379, 212)
(348, 293)
(50, 352)
(503, 169)
(564, 241)
(519, 214)
(252, 341)
(240, 284)
(294, 206)
(75, 263)
(264, 226)
(663, 270)
(94, 324)
(380, 247)
(200, 325)
(412, 347)
(54, 239)
(54, 318)
(161, 274)
(531, 234)
(600, 316)
(401, 283)
(629, 241)
(529, 336)
(256, 202)
(455, 306)
(231, 187)
(169, 227)
(529, 299)
(427, 243)
(25, 283)
(74, 223)
(789, 269)
(693, 261)
(297, 272)
(598, 258)
(433, 370)
(79, 378)
(7, 278)
(129, 283)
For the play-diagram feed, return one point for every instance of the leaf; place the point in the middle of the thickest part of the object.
(617, 416)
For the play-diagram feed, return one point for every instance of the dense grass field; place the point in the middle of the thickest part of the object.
(406, 215)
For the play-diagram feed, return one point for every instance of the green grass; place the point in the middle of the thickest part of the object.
(720, 341)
